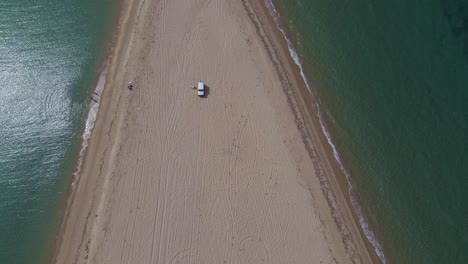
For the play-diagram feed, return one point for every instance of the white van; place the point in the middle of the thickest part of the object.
(201, 89)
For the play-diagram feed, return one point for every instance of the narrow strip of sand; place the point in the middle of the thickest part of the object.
(240, 176)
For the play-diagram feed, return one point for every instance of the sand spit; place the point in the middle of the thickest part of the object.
(236, 177)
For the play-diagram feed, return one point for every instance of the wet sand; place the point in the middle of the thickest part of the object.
(240, 176)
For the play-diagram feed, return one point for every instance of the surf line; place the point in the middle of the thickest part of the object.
(89, 125)
(295, 56)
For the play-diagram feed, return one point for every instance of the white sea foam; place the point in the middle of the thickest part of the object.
(90, 120)
(357, 207)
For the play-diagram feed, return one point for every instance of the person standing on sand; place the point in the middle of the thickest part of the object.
(130, 85)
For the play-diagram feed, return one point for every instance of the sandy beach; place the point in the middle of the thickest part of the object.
(240, 176)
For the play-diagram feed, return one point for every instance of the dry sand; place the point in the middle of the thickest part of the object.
(236, 177)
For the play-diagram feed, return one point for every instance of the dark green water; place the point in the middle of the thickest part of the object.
(392, 79)
(48, 65)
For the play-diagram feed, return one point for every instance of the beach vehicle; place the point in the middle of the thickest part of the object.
(201, 89)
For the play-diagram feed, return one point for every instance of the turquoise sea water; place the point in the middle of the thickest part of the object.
(392, 80)
(49, 53)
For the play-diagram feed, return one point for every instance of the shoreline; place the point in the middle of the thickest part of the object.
(105, 131)
(313, 107)
(76, 169)
(79, 149)
(109, 51)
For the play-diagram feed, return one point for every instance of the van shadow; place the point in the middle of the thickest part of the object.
(207, 91)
